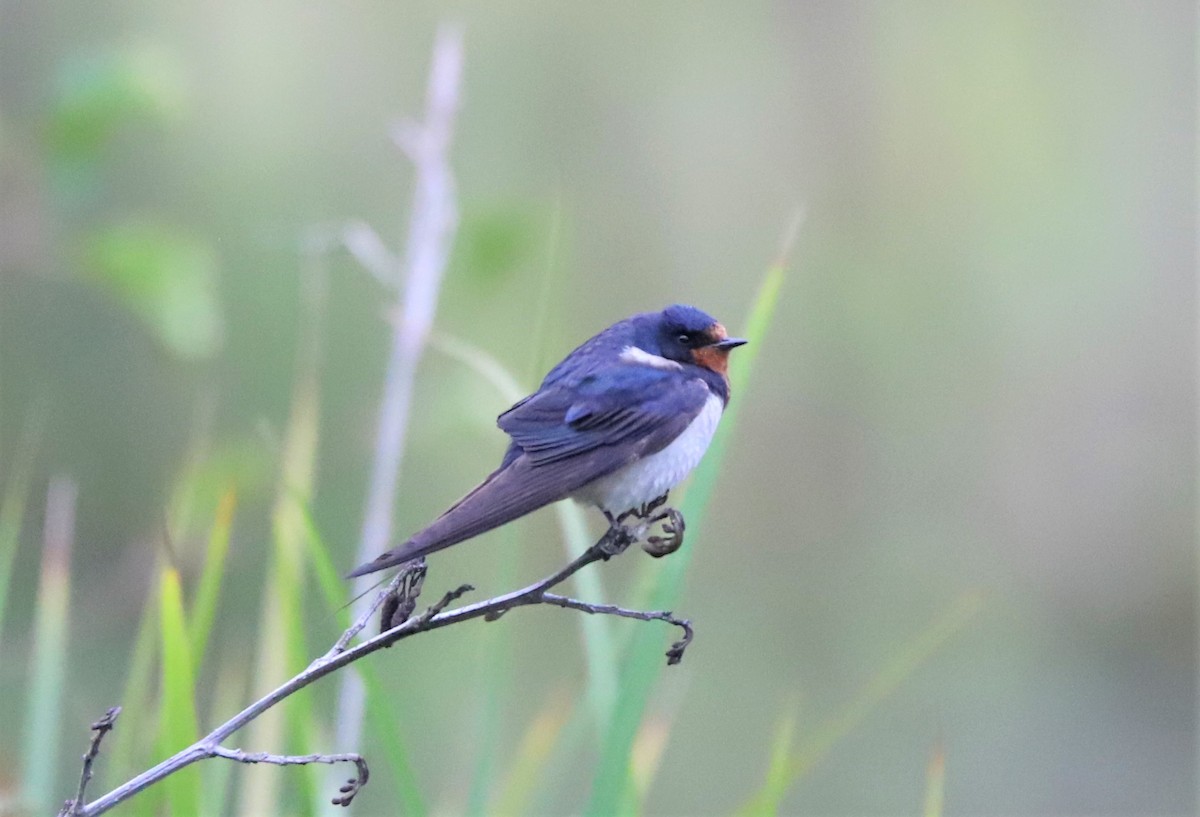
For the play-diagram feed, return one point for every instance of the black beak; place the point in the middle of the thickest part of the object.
(728, 343)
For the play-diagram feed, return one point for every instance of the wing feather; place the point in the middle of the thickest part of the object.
(564, 436)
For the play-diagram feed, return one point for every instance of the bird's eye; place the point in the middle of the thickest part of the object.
(685, 338)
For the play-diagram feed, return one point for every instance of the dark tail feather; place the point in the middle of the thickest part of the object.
(419, 545)
(398, 555)
(505, 495)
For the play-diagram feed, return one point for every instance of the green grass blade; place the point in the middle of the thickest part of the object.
(935, 782)
(281, 653)
(601, 653)
(204, 609)
(126, 747)
(611, 785)
(179, 725)
(281, 649)
(535, 749)
(648, 747)
(915, 652)
(908, 659)
(778, 779)
(329, 580)
(386, 722)
(228, 696)
(495, 681)
(381, 711)
(492, 371)
(49, 650)
(599, 649)
(12, 506)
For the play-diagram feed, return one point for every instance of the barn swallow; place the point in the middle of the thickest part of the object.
(617, 424)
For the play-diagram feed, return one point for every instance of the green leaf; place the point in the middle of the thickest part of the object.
(494, 243)
(96, 96)
(166, 278)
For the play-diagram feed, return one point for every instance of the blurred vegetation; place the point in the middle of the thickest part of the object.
(947, 564)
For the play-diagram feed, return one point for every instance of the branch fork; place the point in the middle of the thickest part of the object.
(396, 603)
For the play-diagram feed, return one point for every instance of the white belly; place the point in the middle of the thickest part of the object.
(652, 476)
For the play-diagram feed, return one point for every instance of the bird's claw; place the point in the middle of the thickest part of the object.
(652, 506)
(620, 536)
(673, 526)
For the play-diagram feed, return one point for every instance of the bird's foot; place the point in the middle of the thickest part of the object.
(621, 534)
(615, 541)
(673, 526)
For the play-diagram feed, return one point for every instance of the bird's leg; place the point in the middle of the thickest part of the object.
(632, 513)
(642, 511)
(673, 526)
(651, 506)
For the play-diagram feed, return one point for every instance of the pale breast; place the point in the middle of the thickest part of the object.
(652, 476)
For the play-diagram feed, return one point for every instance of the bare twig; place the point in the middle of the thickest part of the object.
(674, 655)
(99, 729)
(347, 791)
(371, 253)
(615, 540)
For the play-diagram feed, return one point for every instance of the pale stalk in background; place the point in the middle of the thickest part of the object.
(432, 222)
(48, 663)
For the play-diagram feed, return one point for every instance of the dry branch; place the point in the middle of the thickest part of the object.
(616, 539)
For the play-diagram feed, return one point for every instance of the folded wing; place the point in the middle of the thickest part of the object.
(563, 437)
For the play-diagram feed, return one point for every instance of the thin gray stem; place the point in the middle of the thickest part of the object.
(674, 655)
(432, 222)
(346, 792)
(364, 617)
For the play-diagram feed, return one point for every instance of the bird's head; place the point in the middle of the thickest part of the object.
(689, 335)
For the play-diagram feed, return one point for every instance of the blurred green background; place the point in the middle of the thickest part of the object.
(978, 391)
